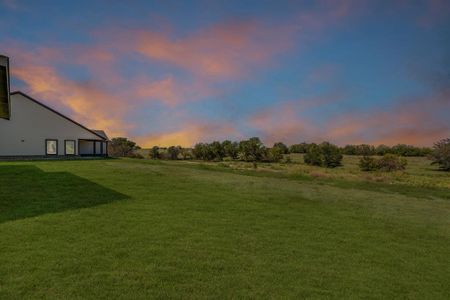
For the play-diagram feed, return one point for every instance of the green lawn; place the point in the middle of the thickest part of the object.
(139, 229)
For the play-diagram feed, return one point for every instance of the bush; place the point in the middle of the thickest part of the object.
(313, 155)
(367, 163)
(391, 162)
(441, 154)
(388, 163)
(324, 155)
(332, 156)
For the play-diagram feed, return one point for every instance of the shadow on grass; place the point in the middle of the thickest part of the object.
(27, 191)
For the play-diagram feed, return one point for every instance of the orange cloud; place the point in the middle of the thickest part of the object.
(222, 51)
(190, 134)
(420, 121)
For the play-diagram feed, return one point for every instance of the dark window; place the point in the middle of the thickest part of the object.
(69, 147)
(51, 147)
(4, 99)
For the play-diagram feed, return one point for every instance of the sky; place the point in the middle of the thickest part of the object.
(181, 72)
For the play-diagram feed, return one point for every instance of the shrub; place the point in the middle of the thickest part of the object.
(441, 154)
(324, 155)
(367, 163)
(332, 156)
(392, 162)
(388, 163)
(313, 155)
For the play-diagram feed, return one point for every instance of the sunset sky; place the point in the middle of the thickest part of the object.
(180, 72)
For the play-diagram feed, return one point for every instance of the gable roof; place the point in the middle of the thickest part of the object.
(102, 133)
(95, 132)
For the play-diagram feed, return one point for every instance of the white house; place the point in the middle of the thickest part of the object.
(31, 128)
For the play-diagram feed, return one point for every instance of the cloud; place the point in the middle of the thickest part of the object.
(418, 121)
(224, 51)
(190, 133)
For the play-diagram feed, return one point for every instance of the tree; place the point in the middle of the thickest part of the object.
(382, 150)
(324, 155)
(231, 149)
(332, 156)
(313, 155)
(186, 153)
(440, 154)
(122, 147)
(298, 148)
(202, 151)
(251, 149)
(154, 152)
(283, 148)
(173, 152)
(274, 154)
(217, 150)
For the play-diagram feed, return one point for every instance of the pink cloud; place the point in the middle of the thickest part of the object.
(221, 51)
(190, 133)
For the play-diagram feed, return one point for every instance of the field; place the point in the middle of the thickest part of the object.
(139, 229)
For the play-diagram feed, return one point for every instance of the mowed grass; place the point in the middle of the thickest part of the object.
(139, 229)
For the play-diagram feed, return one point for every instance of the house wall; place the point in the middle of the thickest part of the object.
(31, 124)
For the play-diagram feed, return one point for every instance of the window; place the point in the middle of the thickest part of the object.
(4, 101)
(69, 147)
(51, 147)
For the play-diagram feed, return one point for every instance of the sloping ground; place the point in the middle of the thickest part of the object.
(139, 229)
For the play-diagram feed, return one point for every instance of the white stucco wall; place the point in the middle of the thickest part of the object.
(31, 124)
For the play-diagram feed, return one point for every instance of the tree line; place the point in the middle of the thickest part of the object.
(324, 154)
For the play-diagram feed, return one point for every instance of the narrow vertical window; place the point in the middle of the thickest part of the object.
(4, 94)
(69, 146)
(51, 147)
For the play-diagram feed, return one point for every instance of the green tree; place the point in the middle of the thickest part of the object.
(154, 152)
(324, 155)
(332, 156)
(231, 149)
(313, 155)
(217, 150)
(173, 152)
(251, 149)
(274, 154)
(122, 147)
(298, 148)
(440, 154)
(284, 149)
